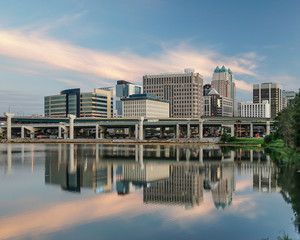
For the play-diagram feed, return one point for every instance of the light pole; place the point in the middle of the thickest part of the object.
(9, 107)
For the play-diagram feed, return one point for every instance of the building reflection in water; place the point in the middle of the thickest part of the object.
(169, 175)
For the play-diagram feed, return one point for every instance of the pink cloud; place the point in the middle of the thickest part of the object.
(37, 48)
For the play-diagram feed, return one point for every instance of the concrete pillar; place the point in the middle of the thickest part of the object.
(177, 154)
(188, 131)
(157, 151)
(200, 128)
(102, 131)
(97, 153)
(187, 154)
(162, 131)
(251, 130)
(72, 167)
(251, 155)
(8, 125)
(136, 153)
(268, 128)
(201, 155)
(141, 155)
(9, 158)
(65, 134)
(97, 132)
(59, 155)
(136, 132)
(232, 130)
(22, 132)
(71, 119)
(268, 158)
(177, 130)
(141, 128)
(23, 154)
(59, 132)
(31, 134)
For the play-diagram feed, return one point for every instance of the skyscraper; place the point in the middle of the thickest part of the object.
(183, 90)
(123, 90)
(271, 92)
(223, 82)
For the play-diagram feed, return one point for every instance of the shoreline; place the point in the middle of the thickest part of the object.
(181, 141)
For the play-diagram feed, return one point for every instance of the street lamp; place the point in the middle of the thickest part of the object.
(9, 107)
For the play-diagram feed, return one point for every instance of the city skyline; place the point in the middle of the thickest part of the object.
(94, 44)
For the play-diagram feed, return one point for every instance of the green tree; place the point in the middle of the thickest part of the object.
(288, 124)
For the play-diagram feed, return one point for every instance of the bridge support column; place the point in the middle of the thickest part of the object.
(22, 132)
(8, 125)
(268, 128)
(162, 132)
(59, 132)
(201, 155)
(251, 155)
(251, 130)
(232, 130)
(188, 130)
(102, 131)
(200, 128)
(71, 118)
(141, 128)
(177, 130)
(136, 132)
(97, 132)
(32, 134)
(177, 154)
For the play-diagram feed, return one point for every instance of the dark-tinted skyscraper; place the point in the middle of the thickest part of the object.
(271, 92)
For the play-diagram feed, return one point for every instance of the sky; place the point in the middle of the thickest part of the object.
(49, 46)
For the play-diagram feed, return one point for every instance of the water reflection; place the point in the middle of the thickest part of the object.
(168, 175)
(199, 180)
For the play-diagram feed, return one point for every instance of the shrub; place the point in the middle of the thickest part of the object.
(225, 137)
(268, 139)
(232, 139)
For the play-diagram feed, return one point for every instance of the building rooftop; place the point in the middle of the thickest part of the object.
(213, 92)
(223, 69)
(143, 97)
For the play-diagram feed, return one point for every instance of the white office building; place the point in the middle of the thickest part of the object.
(255, 110)
(144, 105)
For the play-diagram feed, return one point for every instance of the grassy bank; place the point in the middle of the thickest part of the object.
(228, 140)
(280, 153)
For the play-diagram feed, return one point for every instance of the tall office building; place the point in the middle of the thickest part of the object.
(123, 90)
(223, 82)
(98, 103)
(271, 92)
(184, 91)
(216, 105)
(206, 89)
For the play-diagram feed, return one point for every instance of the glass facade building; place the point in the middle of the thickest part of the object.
(123, 90)
(98, 103)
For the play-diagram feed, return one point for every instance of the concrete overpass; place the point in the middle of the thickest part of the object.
(135, 127)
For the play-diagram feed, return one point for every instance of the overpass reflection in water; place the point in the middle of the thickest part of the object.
(168, 175)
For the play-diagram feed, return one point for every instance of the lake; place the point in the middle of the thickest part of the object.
(94, 191)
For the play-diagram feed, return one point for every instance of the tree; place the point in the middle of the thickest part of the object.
(288, 124)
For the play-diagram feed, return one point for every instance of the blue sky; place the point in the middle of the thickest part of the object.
(48, 46)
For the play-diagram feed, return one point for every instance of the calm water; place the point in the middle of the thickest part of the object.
(83, 191)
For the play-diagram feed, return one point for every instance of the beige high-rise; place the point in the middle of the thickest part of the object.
(184, 91)
(223, 82)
